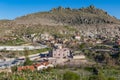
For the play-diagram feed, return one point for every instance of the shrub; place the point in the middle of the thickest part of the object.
(71, 76)
(28, 61)
(111, 78)
(14, 68)
(100, 76)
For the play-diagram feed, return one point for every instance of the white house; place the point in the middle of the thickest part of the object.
(41, 67)
(50, 66)
(46, 36)
(79, 57)
(44, 65)
(77, 37)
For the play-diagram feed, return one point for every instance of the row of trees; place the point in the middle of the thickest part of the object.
(68, 75)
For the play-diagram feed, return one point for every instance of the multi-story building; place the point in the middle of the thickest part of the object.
(62, 53)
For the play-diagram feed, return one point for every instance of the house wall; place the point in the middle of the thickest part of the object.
(61, 53)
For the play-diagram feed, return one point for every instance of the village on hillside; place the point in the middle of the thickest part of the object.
(68, 42)
(50, 52)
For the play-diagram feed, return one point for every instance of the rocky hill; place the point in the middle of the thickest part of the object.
(89, 21)
(89, 15)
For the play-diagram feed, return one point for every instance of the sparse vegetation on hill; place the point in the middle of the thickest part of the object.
(87, 21)
(89, 15)
(85, 31)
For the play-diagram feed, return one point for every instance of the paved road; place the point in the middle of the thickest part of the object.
(105, 50)
(4, 64)
(13, 61)
(21, 48)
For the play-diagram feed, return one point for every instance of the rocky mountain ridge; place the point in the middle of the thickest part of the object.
(89, 21)
(89, 15)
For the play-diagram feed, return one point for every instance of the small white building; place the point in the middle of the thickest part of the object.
(79, 57)
(44, 66)
(50, 66)
(77, 37)
(41, 67)
(46, 36)
(99, 41)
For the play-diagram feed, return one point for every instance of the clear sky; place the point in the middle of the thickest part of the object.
(10, 9)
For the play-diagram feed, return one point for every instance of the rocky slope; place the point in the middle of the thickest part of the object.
(88, 21)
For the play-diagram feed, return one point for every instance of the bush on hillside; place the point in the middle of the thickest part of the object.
(70, 76)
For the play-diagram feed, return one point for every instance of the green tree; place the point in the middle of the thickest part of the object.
(71, 76)
(28, 61)
(99, 76)
(14, 68)
(82, 46)
(111, 78)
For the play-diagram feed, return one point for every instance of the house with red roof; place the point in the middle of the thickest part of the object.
(38, 66)
(21, 68)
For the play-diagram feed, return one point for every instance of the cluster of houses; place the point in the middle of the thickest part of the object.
(61, 54)
(38, 66)
(54, 40)
(76, 38)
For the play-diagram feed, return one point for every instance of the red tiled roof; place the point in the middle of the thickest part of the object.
(19, 69)
(26, 68)
(43, 63)
(36, 65)
(32, 67)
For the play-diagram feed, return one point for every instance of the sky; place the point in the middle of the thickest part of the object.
(10, 9)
